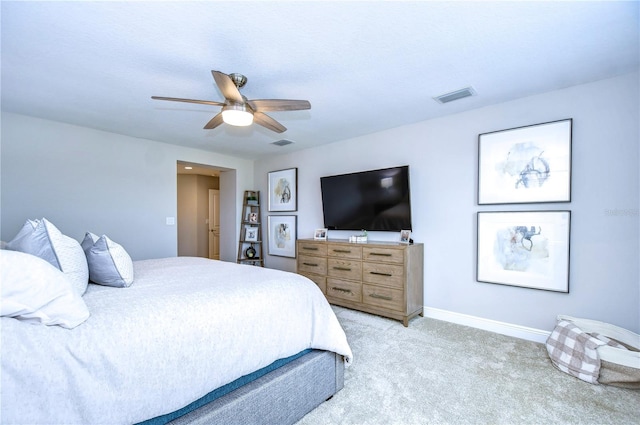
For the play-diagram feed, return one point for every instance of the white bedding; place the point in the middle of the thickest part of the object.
(185, 327)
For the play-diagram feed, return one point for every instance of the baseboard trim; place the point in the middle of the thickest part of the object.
(522, 332)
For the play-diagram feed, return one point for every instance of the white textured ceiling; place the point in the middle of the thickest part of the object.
(364, 66)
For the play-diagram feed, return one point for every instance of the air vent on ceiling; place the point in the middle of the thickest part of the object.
(283, 142)
(455, 95)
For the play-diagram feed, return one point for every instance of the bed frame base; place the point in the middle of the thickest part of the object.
(283, 396)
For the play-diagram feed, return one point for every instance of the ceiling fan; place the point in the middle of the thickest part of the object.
(237, 110)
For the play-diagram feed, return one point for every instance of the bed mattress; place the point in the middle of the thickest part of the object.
(184, 328)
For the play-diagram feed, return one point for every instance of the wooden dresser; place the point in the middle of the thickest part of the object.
(384, 278)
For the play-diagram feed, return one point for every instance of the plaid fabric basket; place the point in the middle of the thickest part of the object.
(596, 352)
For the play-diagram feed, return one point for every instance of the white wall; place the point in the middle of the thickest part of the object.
(88, 180)
(442, 155)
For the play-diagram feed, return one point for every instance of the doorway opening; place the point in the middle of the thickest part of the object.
(202, 204)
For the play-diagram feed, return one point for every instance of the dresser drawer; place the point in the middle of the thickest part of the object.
(384, 274)
(312, 248)
(344, 251)
(310, 264)
(387, 298)
(344, 290)
(388, 255)
(321, 281)
(345, 269)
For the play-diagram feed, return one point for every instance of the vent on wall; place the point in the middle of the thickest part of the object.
(283, 142)
(455, 95)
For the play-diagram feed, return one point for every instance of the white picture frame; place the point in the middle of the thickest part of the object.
(282, 235)
(405, 236)
(524, 248)
(251, 233)
(530, 164)
(283, 190)
(320, 234)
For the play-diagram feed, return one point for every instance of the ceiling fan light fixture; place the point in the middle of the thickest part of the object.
(237, 115)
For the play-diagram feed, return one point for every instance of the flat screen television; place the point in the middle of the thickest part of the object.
(375, 200)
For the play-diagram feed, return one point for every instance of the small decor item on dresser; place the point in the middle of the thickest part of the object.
(359, 238)
(320, 234)
(405, 236)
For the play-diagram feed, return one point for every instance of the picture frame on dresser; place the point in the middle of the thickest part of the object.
(321, 234)
(283, 190)
(282, 235)
(530, 164)
(529, 249)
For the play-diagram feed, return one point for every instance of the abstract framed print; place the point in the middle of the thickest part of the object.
(283, 188)
(282, 235)
(524, 248)
(526, 164)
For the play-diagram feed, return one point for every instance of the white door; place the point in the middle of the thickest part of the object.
(214, 224)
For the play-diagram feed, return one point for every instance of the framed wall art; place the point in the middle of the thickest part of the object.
(525, 164)
(283, 190)
(282, 235)
(524, 248)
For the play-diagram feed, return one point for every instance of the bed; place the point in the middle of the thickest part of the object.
(190, 340)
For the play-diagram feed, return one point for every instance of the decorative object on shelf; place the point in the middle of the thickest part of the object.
(525, 164)
(250, 234)
(250, 252)
(283, 188)
(250, 243)
(524, 248)
(405, 236)
(320, 234)
(282, 235)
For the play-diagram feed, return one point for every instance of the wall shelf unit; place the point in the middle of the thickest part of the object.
(250, 250)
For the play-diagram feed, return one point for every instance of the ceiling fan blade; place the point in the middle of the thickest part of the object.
(268, 122)
(214, 122)
(266, 105)
(227, 87)
(176, 99)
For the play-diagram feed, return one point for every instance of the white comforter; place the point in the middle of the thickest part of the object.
(185, 327)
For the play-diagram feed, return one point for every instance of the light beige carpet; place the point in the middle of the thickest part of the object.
(435, 372)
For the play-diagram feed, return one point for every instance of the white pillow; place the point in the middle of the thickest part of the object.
(34, 291)
(42, 239)
(109, 263)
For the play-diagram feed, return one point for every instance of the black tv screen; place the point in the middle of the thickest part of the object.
(370, 200)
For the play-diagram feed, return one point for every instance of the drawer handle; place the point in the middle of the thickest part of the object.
(342, 251)
(335, 288)
(380, 254)
(310, 264)
(381, 274)
(382, 297)
(310, 248)
(346, 269)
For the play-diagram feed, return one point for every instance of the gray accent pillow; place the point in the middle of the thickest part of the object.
(109, 263)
